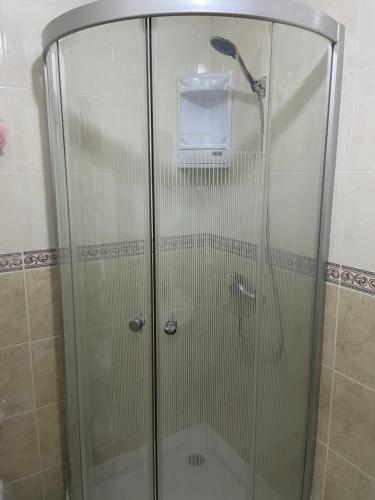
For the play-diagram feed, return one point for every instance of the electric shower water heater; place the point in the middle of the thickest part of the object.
(205, 120)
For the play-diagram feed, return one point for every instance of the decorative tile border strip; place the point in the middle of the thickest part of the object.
(232, 246)
(183, 242)
(33, 259)
(10, 262)
(348, 277)
(110, 250)
(358, 279)
(281, 258)
(284, 259)
(333, 273)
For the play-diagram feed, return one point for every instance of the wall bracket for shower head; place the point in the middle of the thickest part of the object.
(261, 87)
(227, 48)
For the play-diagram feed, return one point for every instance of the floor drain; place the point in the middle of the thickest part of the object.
(196, 459)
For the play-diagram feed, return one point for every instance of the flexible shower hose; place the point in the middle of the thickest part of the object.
(268, 242)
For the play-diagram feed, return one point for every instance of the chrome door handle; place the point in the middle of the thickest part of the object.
(170, 327)
(136, 324)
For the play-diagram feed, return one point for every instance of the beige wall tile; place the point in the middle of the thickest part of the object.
(346, 12)
(22, 23)
(54, 482)
(352, 426)
(37, 199)
(29, 488)
(359, 224)
(13, 321)
(15, 379)
(11, 239)
(355, 351)
(344, 482)
(319, 471)
(48, 368)
(324, 403)
(6, 158)
(366, 41)
(362, 146)
(330, 324)
(43, 301)
(340, 196)
(23, 193)
(52, 435)
(19, 454)
(30, 144)
(346, 120)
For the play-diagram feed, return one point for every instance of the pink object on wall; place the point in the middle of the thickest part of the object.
(3, 137)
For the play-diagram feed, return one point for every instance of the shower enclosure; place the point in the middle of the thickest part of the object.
(193, 146)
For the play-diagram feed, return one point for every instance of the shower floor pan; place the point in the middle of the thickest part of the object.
(197, 465)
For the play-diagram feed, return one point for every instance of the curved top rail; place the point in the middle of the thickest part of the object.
(107, 11)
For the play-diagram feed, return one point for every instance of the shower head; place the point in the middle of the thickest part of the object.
(224, 46)
(227, 48)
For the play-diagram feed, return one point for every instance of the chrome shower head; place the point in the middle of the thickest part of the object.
(227, 48)
(224, 46)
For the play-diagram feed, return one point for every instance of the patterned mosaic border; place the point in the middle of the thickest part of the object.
(333, 273)
(39, 258)
(10, 262)
(357, 279)
(110, 250)
(183, 242)
(348, 277)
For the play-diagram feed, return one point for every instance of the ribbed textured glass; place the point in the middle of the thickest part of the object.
(188, 355)
(299, 91)
(208, 222)
(205, 370)
(104, 105)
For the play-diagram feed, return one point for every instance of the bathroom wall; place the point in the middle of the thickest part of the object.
(32, 450)
(32, 435)
(346, 441)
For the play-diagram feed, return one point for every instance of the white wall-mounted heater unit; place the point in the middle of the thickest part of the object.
(205, 120)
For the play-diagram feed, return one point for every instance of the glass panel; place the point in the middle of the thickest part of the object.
(104, 96)
(209, 181)
(59, 175)
(300, 78)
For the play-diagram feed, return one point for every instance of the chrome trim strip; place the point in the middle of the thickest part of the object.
(108, 11)
(324, 237)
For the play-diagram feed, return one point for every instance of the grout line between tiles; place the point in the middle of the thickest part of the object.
(19, 414)
(327, 367)
(322, 443)
(364, 386)
(57, 402)
(33, 341)
(332, 389)
(372, 478)
(364, 68)
(325, 467)
(46, 469)
(32, 376)
(33, 409)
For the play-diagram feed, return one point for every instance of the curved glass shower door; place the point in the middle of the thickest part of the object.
(104, 110)
(189, 168)
(208, 220)
(237, 236)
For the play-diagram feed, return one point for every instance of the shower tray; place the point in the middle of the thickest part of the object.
(200, 465)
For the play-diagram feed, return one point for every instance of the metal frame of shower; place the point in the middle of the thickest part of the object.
(277, 11)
